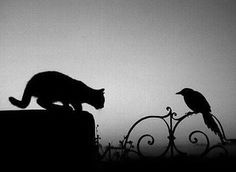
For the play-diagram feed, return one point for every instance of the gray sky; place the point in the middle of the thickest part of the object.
(141, 51)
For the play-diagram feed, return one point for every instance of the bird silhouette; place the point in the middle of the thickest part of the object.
(198, 104)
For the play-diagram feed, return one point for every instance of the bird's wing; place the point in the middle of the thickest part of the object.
(201, 103)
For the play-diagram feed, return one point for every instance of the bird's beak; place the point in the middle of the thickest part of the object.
(178, 93)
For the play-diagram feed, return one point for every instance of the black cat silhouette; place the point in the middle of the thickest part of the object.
(50, 87)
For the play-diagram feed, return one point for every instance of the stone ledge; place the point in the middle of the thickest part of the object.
(53, 139)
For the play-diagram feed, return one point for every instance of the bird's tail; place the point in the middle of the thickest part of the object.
(25, 98)
(210, 122)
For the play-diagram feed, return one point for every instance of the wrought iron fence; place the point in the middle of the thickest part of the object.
(171, 121)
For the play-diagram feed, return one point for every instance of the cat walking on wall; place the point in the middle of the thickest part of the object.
(50, 87)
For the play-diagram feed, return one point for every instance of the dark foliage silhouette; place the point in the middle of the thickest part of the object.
(51, 86)
(198, 104)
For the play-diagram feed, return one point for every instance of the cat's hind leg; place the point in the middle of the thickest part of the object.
(77, 107)
(67, 106)
(49, 105)
(46, 104)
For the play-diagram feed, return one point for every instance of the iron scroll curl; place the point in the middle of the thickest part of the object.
(171, 122)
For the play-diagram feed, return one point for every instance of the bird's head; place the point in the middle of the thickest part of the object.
(185, 91)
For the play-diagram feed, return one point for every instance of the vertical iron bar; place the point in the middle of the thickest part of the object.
(171, 137)
(109, 151)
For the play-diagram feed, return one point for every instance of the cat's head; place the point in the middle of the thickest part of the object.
(98, 99)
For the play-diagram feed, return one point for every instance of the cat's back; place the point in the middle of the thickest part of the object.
(50, 76)
(49, 79)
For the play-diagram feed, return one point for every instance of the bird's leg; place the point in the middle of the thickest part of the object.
(190, 113)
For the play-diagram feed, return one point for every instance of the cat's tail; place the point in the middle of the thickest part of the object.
(25, 98)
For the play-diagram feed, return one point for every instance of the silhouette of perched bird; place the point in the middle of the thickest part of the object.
(198, 104)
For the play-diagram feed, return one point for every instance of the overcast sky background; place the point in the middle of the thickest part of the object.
(141, 51)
